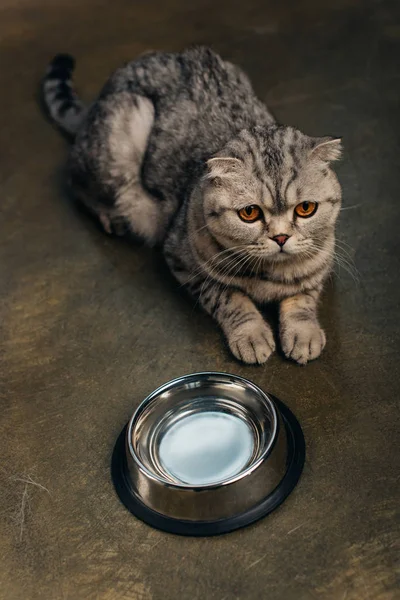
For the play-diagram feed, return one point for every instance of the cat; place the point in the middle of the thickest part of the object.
(179, 151)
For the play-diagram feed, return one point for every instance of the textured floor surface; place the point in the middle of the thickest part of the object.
(91, 324)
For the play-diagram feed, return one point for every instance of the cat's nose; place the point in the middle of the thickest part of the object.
(281, 239)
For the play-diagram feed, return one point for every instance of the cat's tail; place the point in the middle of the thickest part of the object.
(59, 97)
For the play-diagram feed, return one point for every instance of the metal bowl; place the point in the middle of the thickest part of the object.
(207, 453)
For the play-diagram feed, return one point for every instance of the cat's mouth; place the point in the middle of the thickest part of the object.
(267, 253)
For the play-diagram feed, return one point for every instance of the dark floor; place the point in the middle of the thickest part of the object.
(92, 324)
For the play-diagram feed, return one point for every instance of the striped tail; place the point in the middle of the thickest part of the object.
(62, 102)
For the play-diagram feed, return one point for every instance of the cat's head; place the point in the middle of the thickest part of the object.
(272, 192)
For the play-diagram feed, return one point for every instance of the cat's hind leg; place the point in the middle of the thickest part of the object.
(108, 157)
(129, 129)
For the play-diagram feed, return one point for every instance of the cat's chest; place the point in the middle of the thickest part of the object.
(287, 281)
(264, 291)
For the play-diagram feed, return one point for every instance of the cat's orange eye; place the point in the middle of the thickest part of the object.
(306, 209)
(250, 213)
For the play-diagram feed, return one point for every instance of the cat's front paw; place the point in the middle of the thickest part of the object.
(302, 341)
(252, 343)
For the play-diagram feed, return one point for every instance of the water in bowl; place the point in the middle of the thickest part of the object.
(206, 447)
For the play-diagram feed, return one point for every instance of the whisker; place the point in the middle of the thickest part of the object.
(210, 275)
(351, 207)
(191, 234)
(241, 264)
(218, 284)
(341, 258)
(258, 266)
(203, 265)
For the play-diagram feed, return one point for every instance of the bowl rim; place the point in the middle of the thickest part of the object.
(253, 466)
(136, 506)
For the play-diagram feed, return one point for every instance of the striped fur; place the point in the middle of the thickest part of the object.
(61, 101)
(174, 147)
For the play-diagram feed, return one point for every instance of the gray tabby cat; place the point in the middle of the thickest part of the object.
(178, 150)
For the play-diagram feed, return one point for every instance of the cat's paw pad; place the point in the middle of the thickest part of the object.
(252, 343)
(302, 341)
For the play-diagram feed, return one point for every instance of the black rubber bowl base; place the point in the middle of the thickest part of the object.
(295, 463)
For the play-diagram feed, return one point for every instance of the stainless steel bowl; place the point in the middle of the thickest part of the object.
(207, 453)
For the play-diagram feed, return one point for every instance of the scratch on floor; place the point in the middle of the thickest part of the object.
(27, 479)
(295, 528)
(270, 381)
(20, 517)
(154, 545)
(253, 564)
(329, 381)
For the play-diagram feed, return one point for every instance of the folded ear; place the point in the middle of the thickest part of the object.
(327, 148)
(223, 166)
